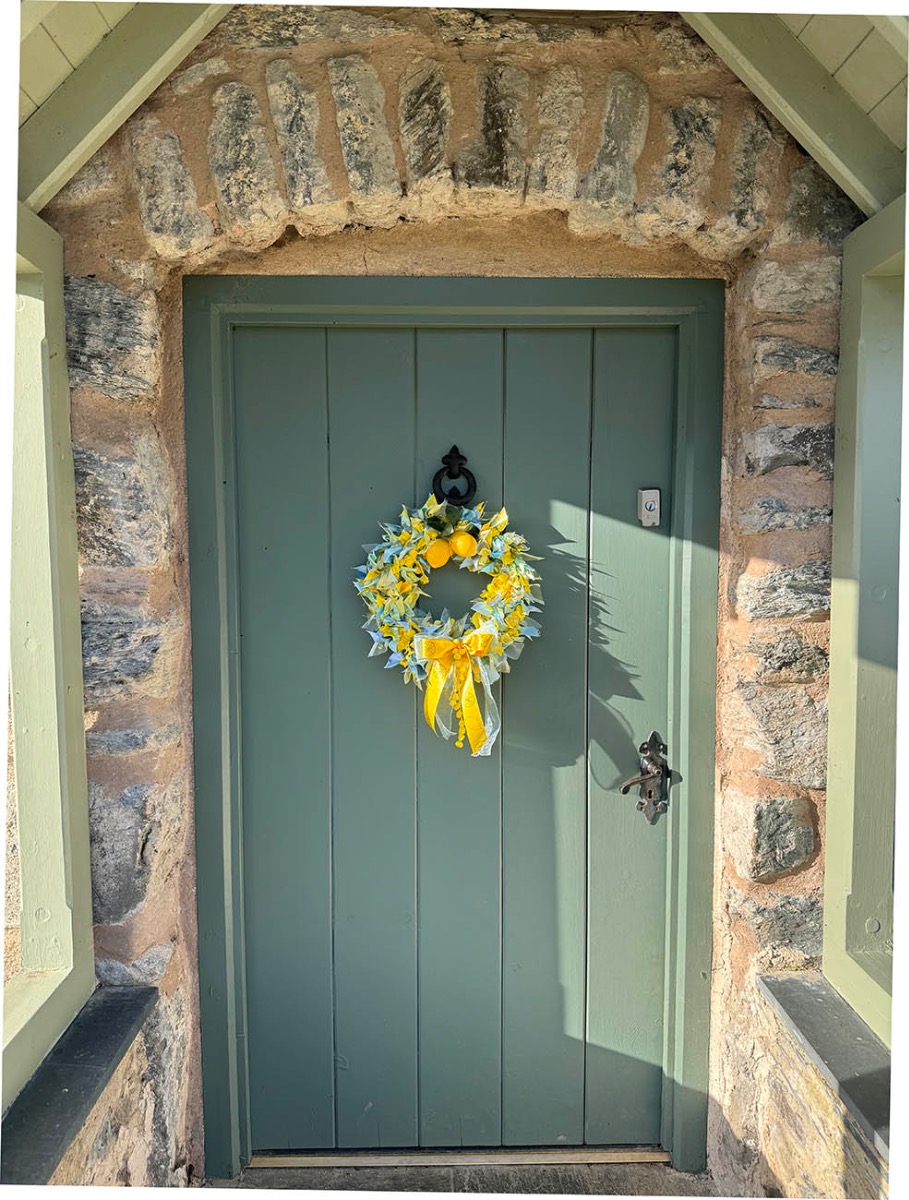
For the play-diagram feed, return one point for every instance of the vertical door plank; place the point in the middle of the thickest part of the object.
(459, 390)
(547, 454)
(633, 423)
(282, 472)
(371, 405)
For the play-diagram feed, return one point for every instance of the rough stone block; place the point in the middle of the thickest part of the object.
(790, 732)
(91, 183)
(793, 922)
(186, 80)
(111, 339)
(295, 113)
(121, 836)
(755, 160)
(768, 513)
(768, 837)
(554, 170)
(499, 158)
(816, 209)
(269, 26)
(801, 592)
(130, 740)
(425, 118)
(789, 656)
(795, 287)
(121, 507)
(241, 162)
(611, 182)
(467, 27)
(119, 646)
(693, 126)
(365, 141)
(778, 355)
(174, 224)
(146, 969)
(772, 446)
(802, 400)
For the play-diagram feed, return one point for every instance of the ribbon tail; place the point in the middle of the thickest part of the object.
(491, 721)
(435, 684)
(471, 713)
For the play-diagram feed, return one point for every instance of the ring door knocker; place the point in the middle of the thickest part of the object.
(652, 780)
(454, 467)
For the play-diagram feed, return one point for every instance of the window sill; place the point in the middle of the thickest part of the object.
(45, 1117)
(851, 1058)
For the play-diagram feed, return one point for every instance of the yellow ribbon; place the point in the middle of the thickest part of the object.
(450, 659)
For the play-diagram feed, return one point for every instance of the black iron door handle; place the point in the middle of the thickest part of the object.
(652, 779)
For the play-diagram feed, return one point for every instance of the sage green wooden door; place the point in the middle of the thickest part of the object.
(440, 951)
(446, 951)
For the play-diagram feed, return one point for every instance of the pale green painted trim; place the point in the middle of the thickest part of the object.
(896, 30)
(46, 677)
(107, 88)
(862, 732)
(808, 101)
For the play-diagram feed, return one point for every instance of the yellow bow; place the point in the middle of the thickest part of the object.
(449, 661)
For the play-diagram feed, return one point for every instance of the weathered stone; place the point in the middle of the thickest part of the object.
(803, 400)
(817, 210)
(121, 834)
(795, 287)
(749, 198)
(111, 338)
(769, 513)
(174, 223)
(499, 158)
(681, 50)
(776, 355)
(611, 180)
(295, 113)
(91, 183)
(128, 741)
(790, 732)
(802, 592)
(554, 170)
(146, 969)
(119, 646)
(241, 162)
(268, 26)
(467, 27)
(186, 80)
(121, 520)
(693, 127)
(793, 922)
(425, 118)
(772, 446)
(788, 656)
(768, 837)
(365, 141)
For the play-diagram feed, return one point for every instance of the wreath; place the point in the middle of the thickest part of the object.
(451, 654)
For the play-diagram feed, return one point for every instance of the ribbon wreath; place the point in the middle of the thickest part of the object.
(451, 656)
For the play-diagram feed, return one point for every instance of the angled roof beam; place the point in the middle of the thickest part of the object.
(118, 75)
(808, 101)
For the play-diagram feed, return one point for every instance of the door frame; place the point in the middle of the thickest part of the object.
(213, 306)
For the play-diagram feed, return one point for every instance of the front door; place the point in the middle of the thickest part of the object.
(435, 950)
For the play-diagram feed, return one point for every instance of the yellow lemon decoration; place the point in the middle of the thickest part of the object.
(438, 553)
(458, 659)
(464, 545)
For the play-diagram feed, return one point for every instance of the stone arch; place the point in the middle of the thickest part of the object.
(326, 141)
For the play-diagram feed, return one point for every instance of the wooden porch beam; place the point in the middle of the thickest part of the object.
(818, 112)
(89, 106)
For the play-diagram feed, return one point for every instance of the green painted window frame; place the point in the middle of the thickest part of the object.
(861, 786)
(58, 969)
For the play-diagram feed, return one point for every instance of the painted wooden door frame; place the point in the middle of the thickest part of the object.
(213, 307)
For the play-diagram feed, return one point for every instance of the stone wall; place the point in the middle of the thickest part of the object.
(332, 141)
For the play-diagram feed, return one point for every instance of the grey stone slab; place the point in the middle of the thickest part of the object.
(817, 210)
(611, 179)
(852, 1059)
(173, 221)
(119, 647)
(240, 159)
(111, 338)
(772, 446)
(498, 158)
(53, 1106)
(554, 170)
(295, 113)
(365, 141)
(425, 120)
(802, 592)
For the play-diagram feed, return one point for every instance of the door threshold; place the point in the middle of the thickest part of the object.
(576, 1155)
